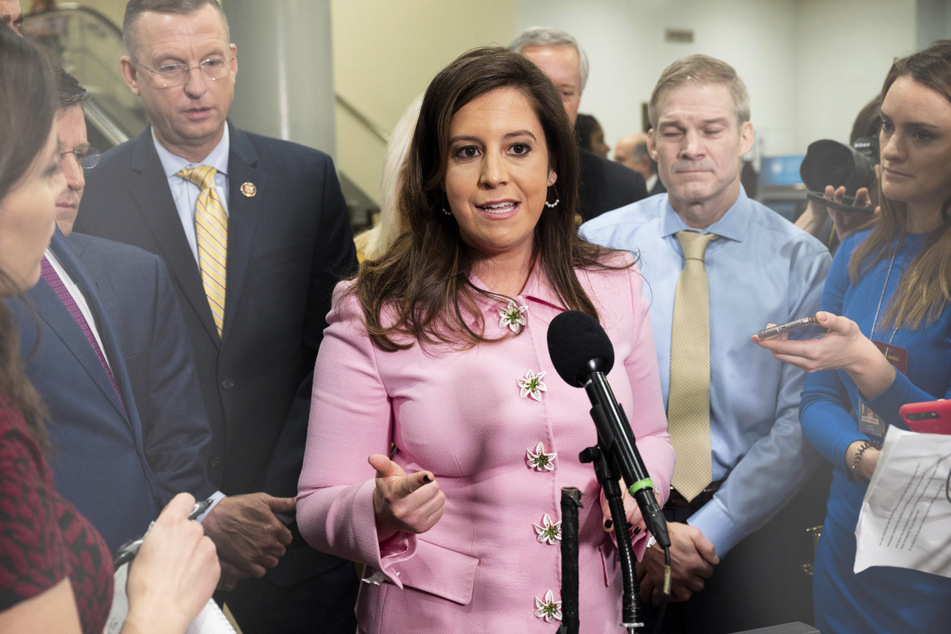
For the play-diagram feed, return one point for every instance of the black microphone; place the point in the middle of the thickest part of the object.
(582, 355)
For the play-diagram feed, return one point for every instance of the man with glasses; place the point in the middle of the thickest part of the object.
(166, 427)
(255, 234)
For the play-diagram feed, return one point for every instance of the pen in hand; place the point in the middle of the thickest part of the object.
(127, 551)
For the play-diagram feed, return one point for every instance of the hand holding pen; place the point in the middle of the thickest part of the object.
(174, 572)
(127, 551)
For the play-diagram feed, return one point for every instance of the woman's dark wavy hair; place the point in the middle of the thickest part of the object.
(926, 284)
(28, 102)
(423, 280)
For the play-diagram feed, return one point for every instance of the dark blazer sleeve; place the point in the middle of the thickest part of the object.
(138, 297)
(334, 259)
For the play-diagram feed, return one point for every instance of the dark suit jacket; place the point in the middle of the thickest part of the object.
(98, 459)
(139, 300)
(606, 185)
(658, 188)
(289, 242)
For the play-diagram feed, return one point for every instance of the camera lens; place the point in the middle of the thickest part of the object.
(829, 162)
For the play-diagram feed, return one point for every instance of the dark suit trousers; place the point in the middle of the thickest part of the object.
(286, 604)
(760, 582)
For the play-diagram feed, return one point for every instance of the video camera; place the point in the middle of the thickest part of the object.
(832, 163)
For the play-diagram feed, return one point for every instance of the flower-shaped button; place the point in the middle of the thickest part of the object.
(531, 385)
(549, 532)
(513, 316)
(540, 460)
(548, 608)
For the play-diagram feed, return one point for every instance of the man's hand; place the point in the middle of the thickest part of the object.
(249, 538)
(409, 503)
(230, 575)
(631, 510)
(692, 558)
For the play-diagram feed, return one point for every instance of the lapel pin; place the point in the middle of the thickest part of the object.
(248, 189)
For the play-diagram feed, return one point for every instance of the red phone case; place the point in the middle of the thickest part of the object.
(930, 417)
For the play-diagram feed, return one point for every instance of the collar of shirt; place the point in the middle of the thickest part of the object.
(217, 158)
(184, 193)
(536, 288)
(733, 225)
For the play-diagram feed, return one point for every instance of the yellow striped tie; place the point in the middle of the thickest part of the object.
(211, 230)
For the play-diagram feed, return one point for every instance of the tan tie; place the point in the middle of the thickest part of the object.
(688, 405)
(211, 230)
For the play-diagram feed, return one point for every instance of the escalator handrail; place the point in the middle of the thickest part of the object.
(71, 8)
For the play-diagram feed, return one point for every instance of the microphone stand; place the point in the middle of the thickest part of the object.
(631, 617)
(570, 503)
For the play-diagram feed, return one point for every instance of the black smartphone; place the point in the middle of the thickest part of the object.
(847, 204)
(796, 324)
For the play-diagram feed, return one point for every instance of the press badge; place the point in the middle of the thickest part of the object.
(869, 422)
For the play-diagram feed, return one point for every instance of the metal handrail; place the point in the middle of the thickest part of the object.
(367, 123)
(72, 7)
(87, 44)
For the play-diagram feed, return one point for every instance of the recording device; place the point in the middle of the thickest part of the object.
(847, 204)
(582, 355)
(775, 331)
(832, 163)
(930, 417)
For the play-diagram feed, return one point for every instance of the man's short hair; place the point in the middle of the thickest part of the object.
(547, 36)
(70, 92)
(135, 9)
(703, 70)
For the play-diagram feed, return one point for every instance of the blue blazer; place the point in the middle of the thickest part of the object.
(136, 291)
(98, 458)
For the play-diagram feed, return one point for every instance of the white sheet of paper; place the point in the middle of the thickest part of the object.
(905, 516)
(211, 620)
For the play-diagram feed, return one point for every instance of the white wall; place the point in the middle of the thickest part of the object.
(838, 75)
(810, 64)
(788, 52)
(385, 53)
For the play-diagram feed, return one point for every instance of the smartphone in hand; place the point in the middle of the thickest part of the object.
(929, 417)
(796, 324)
(847, 204)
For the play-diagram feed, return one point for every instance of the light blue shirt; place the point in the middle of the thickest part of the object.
(185, 193)
(761, 269)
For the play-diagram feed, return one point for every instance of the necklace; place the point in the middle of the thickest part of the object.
(881, 299)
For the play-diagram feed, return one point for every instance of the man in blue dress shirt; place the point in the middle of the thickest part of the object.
(728, 570)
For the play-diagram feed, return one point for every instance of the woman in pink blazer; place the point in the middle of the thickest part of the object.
(440, 436)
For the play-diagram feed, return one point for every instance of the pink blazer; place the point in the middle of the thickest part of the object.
(464, 416)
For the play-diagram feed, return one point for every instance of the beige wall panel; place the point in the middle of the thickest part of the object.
(386, 52)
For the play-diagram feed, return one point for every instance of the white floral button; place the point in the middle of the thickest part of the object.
(531, 385)
(548, 608)
(513, 316)
(540, 460)
(549, 532)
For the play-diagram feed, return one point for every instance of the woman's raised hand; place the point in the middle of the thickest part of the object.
(411, 503)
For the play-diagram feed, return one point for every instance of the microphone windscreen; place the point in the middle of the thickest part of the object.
(574, 340)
